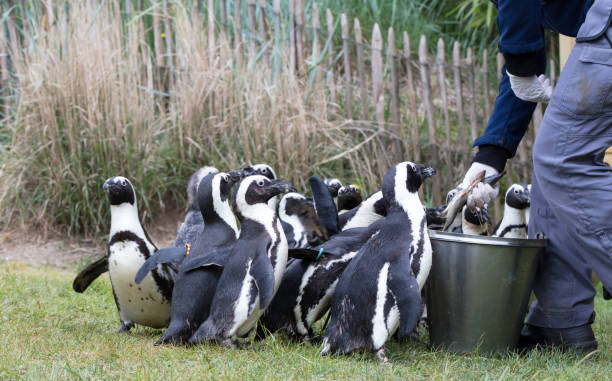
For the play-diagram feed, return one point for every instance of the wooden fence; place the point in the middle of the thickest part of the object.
(428, 107)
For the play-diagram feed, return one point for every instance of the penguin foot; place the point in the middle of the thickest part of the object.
(381, 357)
(125, 327)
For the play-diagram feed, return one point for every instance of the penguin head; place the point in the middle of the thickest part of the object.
(333, 186)
(256, 189)
(214, 191)
(194, 181)
(476, 216)
(404, 179)
(119, 190)
(260, 169)
(349, 196)
(518, 196)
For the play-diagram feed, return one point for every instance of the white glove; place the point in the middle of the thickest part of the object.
(482, 193)
(531, 89)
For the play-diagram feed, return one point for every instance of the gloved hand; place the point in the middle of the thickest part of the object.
(531, 89)
(482, 193)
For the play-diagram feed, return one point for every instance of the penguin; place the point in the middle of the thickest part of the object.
(475, 222)
(193, 223)
(516, 213)
(129, 246)
(379, 291)
(264, 170)
(366, 213)
(349, 197)
(333, 186)
(435, 220)
(193, 290)
(299, 220)
(254, 269)
(307, 286)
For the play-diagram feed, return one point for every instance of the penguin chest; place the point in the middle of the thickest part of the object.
(138, 303)
(386, 314)
(317, 289)
(247, 307)
(421, 260)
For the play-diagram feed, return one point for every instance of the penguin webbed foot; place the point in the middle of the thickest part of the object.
(125, 327)
(381, 357)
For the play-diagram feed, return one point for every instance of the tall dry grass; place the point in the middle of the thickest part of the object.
(93, 103)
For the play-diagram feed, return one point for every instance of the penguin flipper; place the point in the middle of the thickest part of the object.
(407, 296)
(263, 272)
(89, 274)
(215, 258)
(324, 205)
(168, 255)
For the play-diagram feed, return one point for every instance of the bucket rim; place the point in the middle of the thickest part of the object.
(485, 240)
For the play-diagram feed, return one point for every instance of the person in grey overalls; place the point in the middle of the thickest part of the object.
(571, 195)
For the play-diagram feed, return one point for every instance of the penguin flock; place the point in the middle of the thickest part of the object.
(245, 264)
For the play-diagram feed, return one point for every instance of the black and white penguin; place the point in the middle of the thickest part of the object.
(516, 213)
(300, 222)
(194, 288)
(369, 211)
(193, 223)
(129, 246)
(264, 170)
(253, 272)
(475, 222)
(380, 289)
(333, 186)
(308, 285)
(349, 197)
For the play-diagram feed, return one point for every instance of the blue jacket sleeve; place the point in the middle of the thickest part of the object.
(520, 26)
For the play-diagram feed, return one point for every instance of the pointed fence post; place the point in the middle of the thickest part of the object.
(459, 96)
(414, 113)
(361, 71)
(330, 52)
(469, 63)
(346, 57)
(395, 113)
(424, 64)
(440, 60)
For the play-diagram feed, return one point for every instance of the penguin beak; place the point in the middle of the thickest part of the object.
(426, 171)
(280, 186)
(247, 170)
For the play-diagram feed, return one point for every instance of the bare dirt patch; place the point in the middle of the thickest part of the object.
(71, 253)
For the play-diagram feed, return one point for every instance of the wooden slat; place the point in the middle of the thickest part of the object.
(264, 29)
(330, 51)
(252, 32)
(440, 61)
(361, 70)
(168, 32)
(211, 32)
(427, 98)
(395, 113)
(413, 110)
(469, 64)
(292, 47)
(237, 33)
(346, 58)
(485, 82)
(299, 36)
(459, 94)
(276, 60)
(316, 45)
(377, 94)
(157, 27)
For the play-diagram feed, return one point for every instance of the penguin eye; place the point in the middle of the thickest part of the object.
(123, 182)
(516, 191)
(265, 170)
(260, 183)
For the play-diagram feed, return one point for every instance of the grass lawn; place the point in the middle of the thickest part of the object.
(50, 332)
